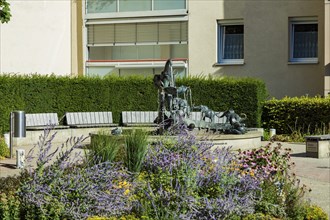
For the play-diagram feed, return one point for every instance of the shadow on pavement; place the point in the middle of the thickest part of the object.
(7, 165)
(298, 155)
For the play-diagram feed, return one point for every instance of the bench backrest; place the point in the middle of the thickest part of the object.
(41, 119)
(139, 117)
(88, 118)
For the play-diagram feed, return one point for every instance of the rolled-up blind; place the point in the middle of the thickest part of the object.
(151, 32)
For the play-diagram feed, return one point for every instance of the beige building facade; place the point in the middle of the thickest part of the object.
(266, 43)
(37, 39)
(284, 43)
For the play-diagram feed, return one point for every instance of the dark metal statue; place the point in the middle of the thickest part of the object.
(237, 127)
(175, 109)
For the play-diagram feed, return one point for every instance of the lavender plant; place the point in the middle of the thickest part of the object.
(187, 180)
(64, 188)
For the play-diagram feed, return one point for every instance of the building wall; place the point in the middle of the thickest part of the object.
(77, 41)
(327, 49)
(266, 39)
(37, 39)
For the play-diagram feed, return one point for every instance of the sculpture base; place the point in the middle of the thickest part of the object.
(249, 140)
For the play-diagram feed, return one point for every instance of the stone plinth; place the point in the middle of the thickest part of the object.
(318, 146)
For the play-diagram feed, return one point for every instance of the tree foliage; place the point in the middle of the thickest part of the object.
(4, 11)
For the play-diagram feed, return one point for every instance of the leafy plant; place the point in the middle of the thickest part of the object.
(9, 206)
(136, 146)
(61, 186)
(281, 195)
(4, 11)
(35, 93)
(184, 179)
(104, 147)
(315, 212)
(307, 115)
(4, 150)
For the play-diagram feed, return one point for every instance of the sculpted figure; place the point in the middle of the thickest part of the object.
(181, 107)
(166, 78)
(206, 112)
(235, 121)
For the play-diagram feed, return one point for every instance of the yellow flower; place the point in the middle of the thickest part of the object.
(126, 192)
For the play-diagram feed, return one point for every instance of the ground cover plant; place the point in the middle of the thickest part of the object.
(181, 177)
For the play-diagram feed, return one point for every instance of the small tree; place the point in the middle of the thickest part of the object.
(4, 11)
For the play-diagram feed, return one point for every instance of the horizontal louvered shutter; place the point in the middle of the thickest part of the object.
(125, 33)
(155, 32)
(147, 32)
(101, 34)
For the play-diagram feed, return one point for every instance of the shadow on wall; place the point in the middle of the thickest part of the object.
(327, 70)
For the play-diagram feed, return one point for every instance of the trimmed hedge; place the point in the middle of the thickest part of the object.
(37, 94)
(244, 95)
(304, 114)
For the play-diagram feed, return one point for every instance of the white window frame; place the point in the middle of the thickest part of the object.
(292, 22)
(221, 40)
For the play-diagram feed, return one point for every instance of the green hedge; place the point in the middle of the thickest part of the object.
(36, 94)
(244, 95)
(305, 114)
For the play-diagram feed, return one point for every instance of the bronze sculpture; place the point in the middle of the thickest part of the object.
(173, 110)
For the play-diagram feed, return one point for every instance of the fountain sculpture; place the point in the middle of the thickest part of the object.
(175, 108)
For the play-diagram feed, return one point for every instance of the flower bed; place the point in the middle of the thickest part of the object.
(166, 179)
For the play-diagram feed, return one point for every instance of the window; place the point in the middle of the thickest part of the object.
(150, 40)
(122, 48)
(106, 6)
(303, 41)
(230, 43)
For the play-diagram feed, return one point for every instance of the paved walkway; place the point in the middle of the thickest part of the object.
(313, 172)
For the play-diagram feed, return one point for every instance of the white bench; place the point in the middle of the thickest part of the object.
(197, 116)
(139, 118)
(89, 119)
(40, 121)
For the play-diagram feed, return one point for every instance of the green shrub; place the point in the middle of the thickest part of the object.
(9, 206)
(104, 147)
(37, 93)
(258, 216)
(244, 95)
(4, 150)
(314, 212)
(302, 115)
(11, 183)
(136, 146)
(282, 194)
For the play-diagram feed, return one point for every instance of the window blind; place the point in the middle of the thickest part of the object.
(132, 33)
